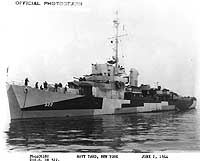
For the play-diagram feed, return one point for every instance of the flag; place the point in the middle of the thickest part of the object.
(7, 69)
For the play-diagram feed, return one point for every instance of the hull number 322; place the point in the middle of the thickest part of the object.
(48, 104)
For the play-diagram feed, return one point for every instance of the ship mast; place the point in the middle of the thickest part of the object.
(116, 24)
(116, 39)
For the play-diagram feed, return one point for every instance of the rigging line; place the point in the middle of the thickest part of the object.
(123, 54)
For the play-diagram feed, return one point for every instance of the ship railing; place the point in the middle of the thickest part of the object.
(20, 83)
(51, 87)
(14, 82)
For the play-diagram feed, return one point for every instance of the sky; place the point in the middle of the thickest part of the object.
(58, 43)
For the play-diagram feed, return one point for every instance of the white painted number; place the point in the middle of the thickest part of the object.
(48, 104)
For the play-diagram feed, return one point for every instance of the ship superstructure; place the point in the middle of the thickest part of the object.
(107, 90)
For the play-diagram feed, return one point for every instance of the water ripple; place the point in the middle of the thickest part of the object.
(168, 132)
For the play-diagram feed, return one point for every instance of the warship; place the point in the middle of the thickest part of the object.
(107, 90)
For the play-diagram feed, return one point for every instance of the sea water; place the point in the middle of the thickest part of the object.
(145, 132)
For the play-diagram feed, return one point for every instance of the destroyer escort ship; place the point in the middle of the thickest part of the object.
(107, 90)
